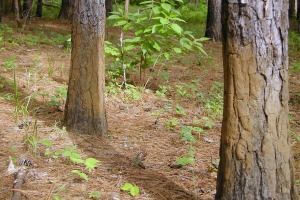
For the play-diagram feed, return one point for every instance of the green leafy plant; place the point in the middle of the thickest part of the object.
(6, 34)
(180, 110)
(31, 138)
(189, 158)
(172, 123)
(208, 122)
(59, 98)
(95, 195)
(133, 189)
(81, 174)
(157, 34)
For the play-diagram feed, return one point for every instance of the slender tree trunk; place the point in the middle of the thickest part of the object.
(126, 5)
(292, 8)
(298, 15)
(85, 110)
(255, 155)
(39, 9)
(1, 10)
(66, 11)
(298, 10)
(213, 22)
(17, 13)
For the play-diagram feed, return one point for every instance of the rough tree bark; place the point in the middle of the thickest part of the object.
(39, 9)
(255, 155)
(85, 110)
(213, 22)
(66, 11)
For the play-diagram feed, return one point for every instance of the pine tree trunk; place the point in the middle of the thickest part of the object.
(85, 111)
(66, 11)
(255, 155)
(39, 9)
(213, 23)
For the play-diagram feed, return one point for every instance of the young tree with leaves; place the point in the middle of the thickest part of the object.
(255, 155)
(85, 110)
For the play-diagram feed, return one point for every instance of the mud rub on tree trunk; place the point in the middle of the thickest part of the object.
(256, 161)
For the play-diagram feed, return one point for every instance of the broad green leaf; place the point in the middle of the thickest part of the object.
(164, 21)
(129, 47)
(127, 186)
(156, 10)
(166, 55)
(177, 19)
(47, 152)
(156, 46)
(167, 7)
(91, 163)
(120, 23)
(177, 50)
(113, 17)
(47, 143)
(202, 39)
(81, 174)
(147, 2)
(176, 28)
(134, 191)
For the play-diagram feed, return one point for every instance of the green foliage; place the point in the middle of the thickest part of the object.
(180, 110)
(133, 92)
(6, 34)
(187, 135)
(59, 97)
(91, 163)
(10, 64)
(81, 174)
(208, 122)
(189, 158)
(294, 41)
(133, 189)
(95, 195)
(191, 13)
(31, 138)
(71, 153)
(157, 34)
(42, 38)
(172, 123)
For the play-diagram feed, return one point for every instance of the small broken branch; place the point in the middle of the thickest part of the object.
(18, 182)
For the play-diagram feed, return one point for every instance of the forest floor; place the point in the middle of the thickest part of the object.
(148, 121)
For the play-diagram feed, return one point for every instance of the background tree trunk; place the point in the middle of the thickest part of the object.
(66, 11)
(17, 13)
(109, 7)
(39, 9)
(255, 154)
(292, 8)
(85, 110)
(213, 22)
(27, 9)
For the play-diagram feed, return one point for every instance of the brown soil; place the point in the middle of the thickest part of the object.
(134, 126)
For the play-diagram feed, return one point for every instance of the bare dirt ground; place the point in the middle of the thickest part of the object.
(134, 126)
